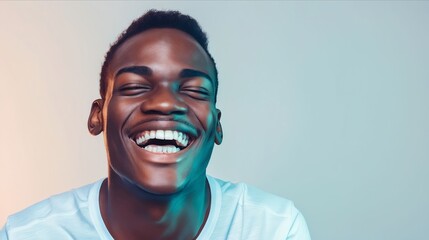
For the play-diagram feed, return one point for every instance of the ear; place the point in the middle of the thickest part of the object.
(95, 119)
(219, 132)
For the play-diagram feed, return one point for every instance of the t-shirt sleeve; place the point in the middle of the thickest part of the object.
(299, 229)
(3, 235)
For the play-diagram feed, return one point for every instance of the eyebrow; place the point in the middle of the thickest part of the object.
(139, 70)
(187, 73)
(146, 71)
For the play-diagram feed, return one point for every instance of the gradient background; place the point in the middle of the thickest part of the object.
(325, 103)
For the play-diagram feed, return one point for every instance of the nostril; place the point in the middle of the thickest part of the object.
(164, 108)
(164, 100)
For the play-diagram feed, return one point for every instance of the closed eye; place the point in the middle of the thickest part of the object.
(197, 93)
(133, 89)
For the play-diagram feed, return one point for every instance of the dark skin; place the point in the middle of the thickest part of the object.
(160, 79)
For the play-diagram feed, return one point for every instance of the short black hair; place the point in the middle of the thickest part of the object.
(157, 19)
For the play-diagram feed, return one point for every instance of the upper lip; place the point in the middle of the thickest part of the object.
(163, 124)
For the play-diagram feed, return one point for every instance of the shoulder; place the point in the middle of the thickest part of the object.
(249, 212)
(51, 213)
(54, 206)
(252, 197)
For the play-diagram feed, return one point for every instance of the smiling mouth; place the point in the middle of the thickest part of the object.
(162, 141)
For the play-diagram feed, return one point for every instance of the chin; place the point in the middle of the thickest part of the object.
(160, 189)
(160, 183)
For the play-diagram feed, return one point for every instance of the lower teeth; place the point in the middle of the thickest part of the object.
(162, 149)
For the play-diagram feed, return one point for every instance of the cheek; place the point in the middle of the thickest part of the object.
(206, 114)
(118, 111)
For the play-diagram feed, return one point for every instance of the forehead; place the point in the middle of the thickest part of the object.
(163, 46)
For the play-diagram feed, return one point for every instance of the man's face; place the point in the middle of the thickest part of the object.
(159, 117)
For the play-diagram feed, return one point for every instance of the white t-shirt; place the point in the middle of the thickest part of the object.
(237, 211)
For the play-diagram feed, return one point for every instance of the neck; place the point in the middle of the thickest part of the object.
(130, 212)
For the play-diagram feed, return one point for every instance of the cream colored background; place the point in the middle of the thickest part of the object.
(325, 103)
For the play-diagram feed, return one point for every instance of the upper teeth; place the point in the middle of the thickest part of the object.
(181, 138)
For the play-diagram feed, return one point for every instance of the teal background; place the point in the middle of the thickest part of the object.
(324, 103)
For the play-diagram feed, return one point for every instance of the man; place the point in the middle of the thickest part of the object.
(158, 115)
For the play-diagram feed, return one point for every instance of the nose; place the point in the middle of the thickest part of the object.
(164, 101)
